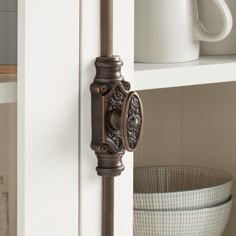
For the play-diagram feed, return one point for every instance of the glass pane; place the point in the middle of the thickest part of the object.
(8, 108)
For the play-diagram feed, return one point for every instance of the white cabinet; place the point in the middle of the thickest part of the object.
(58, 190)
(189, 115)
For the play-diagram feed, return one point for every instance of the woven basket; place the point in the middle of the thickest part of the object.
(201, 222)
(180, 188)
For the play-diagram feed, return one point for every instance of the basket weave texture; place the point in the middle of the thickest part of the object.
(201, 222)
(180, 188)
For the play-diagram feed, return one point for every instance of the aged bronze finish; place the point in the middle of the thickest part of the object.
(107, 28)
(108, 206)
(117, 116)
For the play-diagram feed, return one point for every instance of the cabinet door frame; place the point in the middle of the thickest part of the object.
(59, 192)
(48, 114)
(90, 183)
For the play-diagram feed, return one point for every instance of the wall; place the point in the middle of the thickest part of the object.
(191, 126)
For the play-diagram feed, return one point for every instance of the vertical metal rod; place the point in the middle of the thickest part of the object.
(107, 182)
(107, 28)
(107, 206)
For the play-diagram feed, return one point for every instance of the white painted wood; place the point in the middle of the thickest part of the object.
(204, 71)
(7, 89)
(48, 102)
(90, 183)
(123, 46)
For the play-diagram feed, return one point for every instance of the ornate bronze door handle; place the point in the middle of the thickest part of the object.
(117, 116)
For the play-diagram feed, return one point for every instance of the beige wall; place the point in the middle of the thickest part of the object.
(191, 126)
(8, 158)
(4, 135)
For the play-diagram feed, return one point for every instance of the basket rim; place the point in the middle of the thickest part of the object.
(229, 201)
(230, 180)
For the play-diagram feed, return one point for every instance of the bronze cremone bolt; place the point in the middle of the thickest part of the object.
(117, 116)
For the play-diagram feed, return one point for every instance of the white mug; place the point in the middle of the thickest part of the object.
(211, 18)
(168, 31)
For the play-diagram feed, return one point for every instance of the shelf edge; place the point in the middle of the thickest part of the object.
(184, 76)
(8, 92)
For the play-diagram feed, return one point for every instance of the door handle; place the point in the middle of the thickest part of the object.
(117, 116)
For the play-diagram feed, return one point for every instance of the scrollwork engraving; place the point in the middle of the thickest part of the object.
(116, 100)
(134, 122)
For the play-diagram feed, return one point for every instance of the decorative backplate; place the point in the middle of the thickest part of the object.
(114, 104)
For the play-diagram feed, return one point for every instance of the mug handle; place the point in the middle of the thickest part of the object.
(203, 35)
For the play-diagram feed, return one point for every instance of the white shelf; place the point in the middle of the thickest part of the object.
(8, 88)
(206, 70)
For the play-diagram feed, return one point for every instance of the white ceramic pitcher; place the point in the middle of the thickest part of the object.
(168, 31)
(211, 18)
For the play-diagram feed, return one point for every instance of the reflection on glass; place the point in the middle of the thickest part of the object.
(8, 67)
